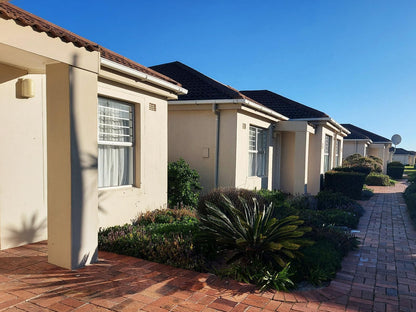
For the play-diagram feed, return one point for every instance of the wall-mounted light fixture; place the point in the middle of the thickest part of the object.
(27, 88)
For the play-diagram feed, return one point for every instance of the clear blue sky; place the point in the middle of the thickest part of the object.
(353, 59)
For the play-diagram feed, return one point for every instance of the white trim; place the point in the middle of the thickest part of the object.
(329, 119)
(360, 140)
(245, 102)
(105, 188)
(142, 76)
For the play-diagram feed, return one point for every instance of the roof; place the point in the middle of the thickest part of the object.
(402, 151)
(24, 18)
(357, 132)
(199, 86)
(283, 105)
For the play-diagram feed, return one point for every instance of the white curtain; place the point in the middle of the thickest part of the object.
(115, 165)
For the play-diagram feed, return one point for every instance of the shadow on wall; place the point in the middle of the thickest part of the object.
(78, 166)
(30, 231)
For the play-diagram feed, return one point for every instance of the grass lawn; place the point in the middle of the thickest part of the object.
(410, 171)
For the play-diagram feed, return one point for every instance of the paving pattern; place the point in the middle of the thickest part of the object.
(379, 276)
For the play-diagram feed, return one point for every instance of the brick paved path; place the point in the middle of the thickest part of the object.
(380, 276)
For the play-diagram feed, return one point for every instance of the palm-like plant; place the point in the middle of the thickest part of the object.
(253, 234)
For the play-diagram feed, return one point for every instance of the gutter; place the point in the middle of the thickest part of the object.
(245, 102)
(328, 119)
(142, 76)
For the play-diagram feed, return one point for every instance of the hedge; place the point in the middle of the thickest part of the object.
(395, 170)
(347, 183)
(377, 179)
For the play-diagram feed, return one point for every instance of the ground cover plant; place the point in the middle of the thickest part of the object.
(268, 238)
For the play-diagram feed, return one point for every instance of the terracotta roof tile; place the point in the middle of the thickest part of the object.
(24, 18)
(283, 105)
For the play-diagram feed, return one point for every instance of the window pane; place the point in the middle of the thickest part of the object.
(115, 165)
(115, 121)
(252, 164)
(257, 151)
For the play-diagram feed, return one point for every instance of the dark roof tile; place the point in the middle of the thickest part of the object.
(199, 86)
(356, 131)
(283, 105)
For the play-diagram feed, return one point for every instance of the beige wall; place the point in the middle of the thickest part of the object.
(242, 179)
(287, 166)
(404, 159)
(48, 162)
(316, 167)
(22, 163)
(192, 136)
(121, 204)
(380, 150)
(354, 147)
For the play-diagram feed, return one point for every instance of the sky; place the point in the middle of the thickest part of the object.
(353, 59)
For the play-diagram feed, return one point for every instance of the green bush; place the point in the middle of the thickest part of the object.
(347, 183)
(263, 276)
(358, 163)
(360, 169)
(163, 216)
(335, 217)
(320, 263)
(172, 239)
(183, 184)
(215, 197)
(330, 200)
(252, 234)
(377, 179)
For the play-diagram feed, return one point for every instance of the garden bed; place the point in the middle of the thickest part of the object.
(277, 242)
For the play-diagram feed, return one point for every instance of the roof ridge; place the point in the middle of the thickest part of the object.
(376, 137)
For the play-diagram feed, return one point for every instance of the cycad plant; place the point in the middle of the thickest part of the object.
(253, 234)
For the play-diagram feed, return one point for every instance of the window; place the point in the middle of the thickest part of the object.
(327, 153)
(115, 143)
(337, 153)
(257, 152)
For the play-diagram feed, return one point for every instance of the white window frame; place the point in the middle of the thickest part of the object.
(327, 153)
(337, 152)
(131, 142)
(256, 151)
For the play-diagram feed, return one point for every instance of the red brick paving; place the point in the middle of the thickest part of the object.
(379, 276)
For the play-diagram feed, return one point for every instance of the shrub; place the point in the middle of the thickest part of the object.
(360, 169)
(395, 170)
(367, 193)
(319, 264)
(347, 183)
(215, 197)
(330, 200)
(357, 163)
(183, 184)
(252, 234)
(377, 179)
(264, 277)
(164, 216)
(172, 239)
(335, 217)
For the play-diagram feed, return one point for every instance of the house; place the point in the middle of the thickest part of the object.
(226, 136)
(307, 153)
(404, 156)
(257, 145)
(79, 126)
(366, 143)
